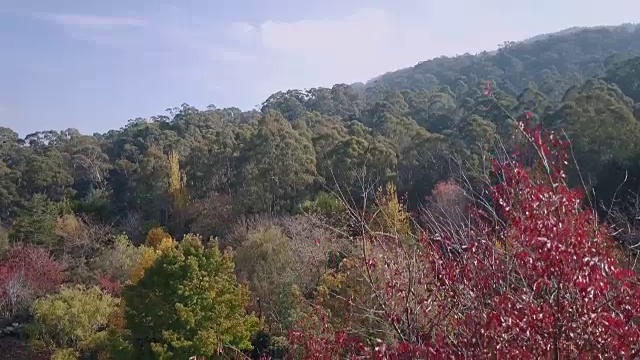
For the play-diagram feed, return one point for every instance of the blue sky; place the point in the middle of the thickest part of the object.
(92, 65)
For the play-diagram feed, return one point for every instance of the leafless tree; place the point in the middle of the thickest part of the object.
(132, 225)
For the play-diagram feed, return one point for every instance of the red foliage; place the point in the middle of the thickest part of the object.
(449, 202)
(447, 192)
(537, 279)
(487, 90)
(315, 339)
(109, 285)
(27, 273)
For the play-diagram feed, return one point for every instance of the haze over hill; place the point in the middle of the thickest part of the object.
(571, 53)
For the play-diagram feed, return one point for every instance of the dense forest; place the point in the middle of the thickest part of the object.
(476, 206)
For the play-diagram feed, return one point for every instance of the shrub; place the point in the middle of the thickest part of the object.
(265, 262)
(115, 264)
(26, 273)
(4, 241)
(323, 204)
(71, 321)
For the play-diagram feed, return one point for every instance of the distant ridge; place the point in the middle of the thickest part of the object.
(566, 56)
(576, 29)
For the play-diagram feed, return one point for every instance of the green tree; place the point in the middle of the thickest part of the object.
(475, 140)
(531, 99)
(626, 74)
(359, 160)
(211, 165)
(288, 103)
(598, 119)
(8, 191)
(280, 165)
(37, 222)
(188, 303)
(47, 171)
(118, 260)
(264, 260)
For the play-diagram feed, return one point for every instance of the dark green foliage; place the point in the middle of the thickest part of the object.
(599, 120)
(280, 164)
(36, 223)
(267, 346)
(626, 74)
(554, 63)
(323, 204)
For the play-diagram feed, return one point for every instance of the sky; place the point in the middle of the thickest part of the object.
(93, 65)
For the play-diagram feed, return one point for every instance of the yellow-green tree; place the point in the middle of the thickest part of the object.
(155, 236)
(188, 303)
(177, 193)
(391, 215)
(148, 256)
(69, 323)
(265, 262)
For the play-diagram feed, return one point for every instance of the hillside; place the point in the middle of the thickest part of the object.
(336, 219)
(554, 62)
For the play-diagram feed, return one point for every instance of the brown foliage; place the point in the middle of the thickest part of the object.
(211, 216)
(133, 226)
(81, 240)
(81, 236)
(311, 245)
(239, 232)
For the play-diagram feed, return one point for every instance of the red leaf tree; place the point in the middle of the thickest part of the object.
(535, 277)
(26, 273)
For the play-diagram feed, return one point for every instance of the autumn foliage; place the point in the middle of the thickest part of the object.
(27, 272)
(537, 278)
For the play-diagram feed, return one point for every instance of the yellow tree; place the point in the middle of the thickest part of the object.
(155, 237)
(177, 193)
(149, 256)
(391, 216)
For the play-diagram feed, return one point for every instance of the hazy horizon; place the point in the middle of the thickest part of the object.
(94, 66)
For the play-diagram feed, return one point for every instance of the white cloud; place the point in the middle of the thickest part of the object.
(113, 31)
(230, 55)
(352, 48)
(362, 30)
(252, 60)
(241, 30)
(85, 20)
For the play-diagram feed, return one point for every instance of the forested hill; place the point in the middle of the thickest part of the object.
(554, 62)
(309, 192)
(408, 126)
